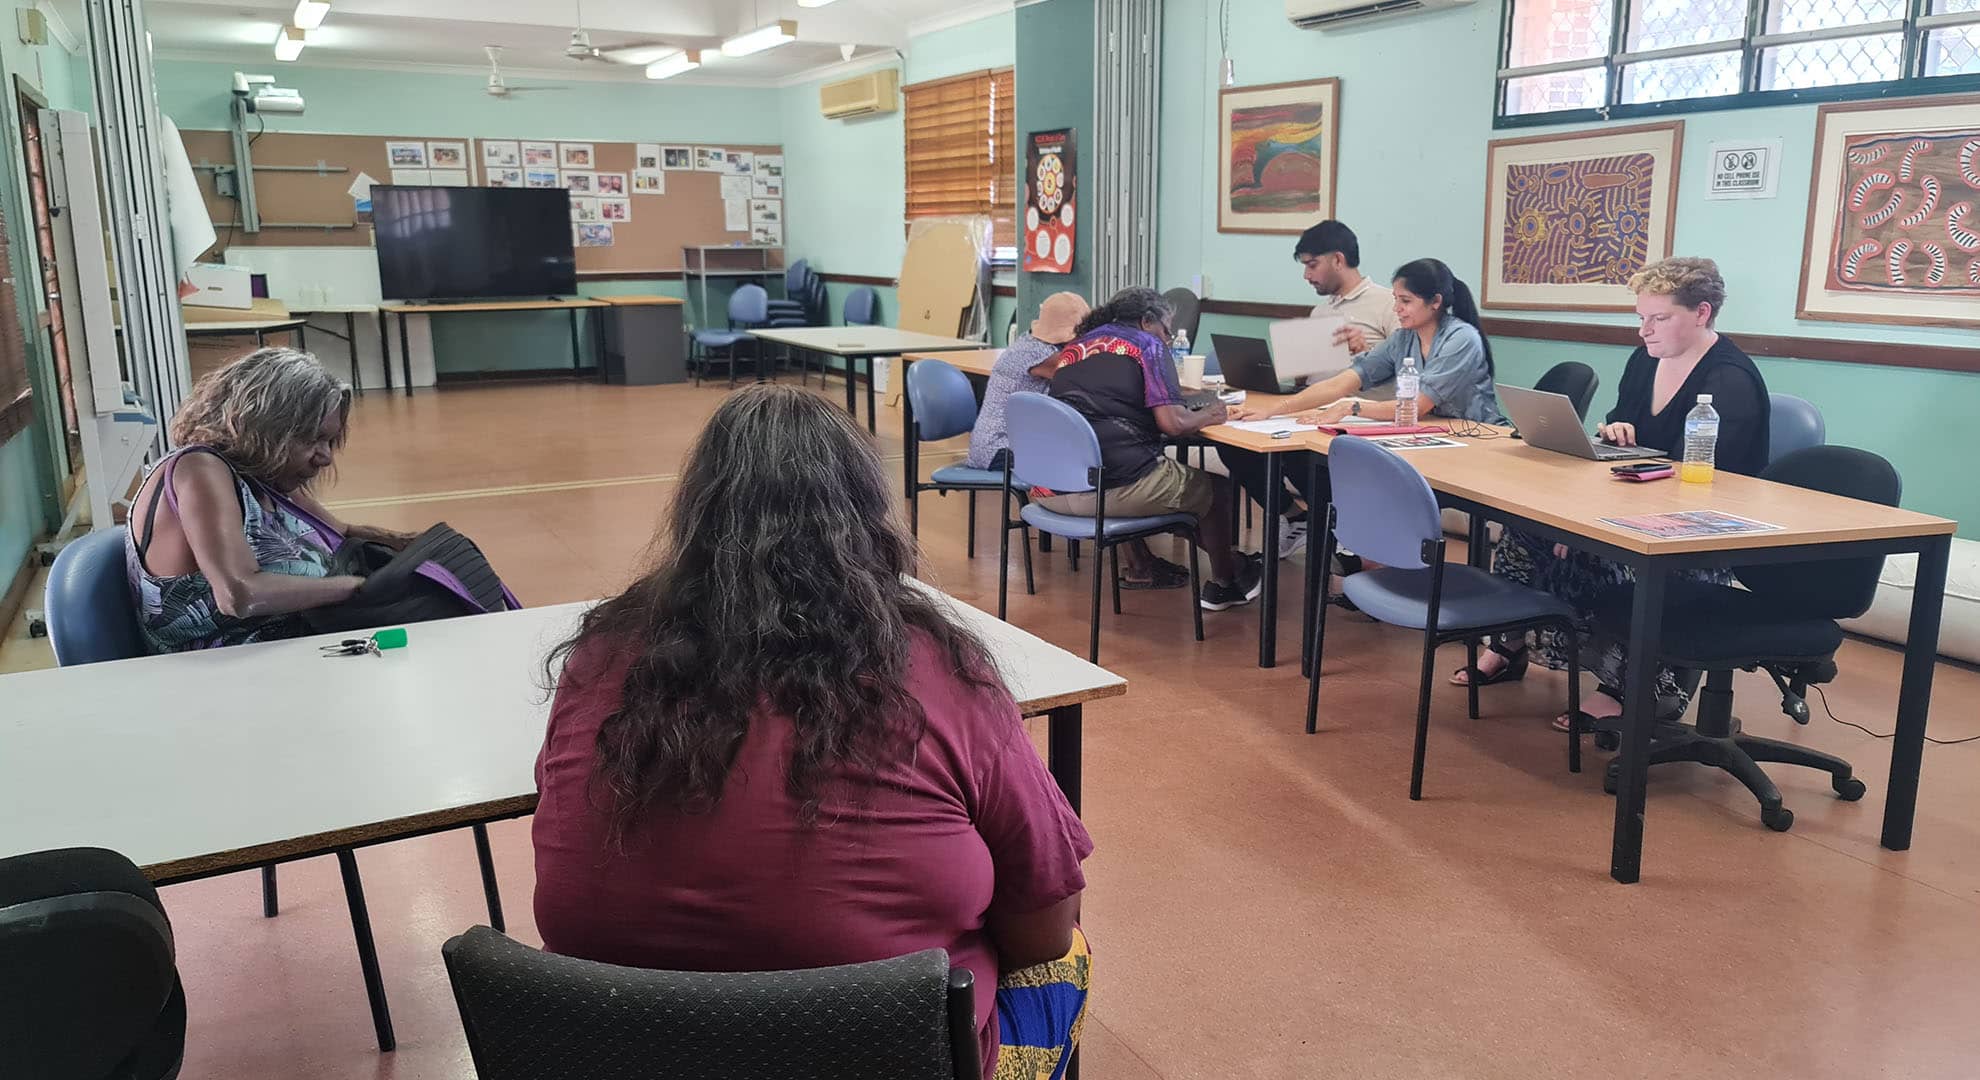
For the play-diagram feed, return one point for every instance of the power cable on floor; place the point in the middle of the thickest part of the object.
(1880, 735)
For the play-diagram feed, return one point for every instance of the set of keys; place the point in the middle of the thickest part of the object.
(375, 645)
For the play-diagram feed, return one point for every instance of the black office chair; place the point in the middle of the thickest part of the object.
(532, 1015)
(1783, 621)
(1189, 312)
(86, 956)
(1574, 380)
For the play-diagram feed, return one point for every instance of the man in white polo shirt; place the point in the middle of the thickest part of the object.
(1332, 258)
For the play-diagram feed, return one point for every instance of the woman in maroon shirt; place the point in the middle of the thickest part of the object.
(773, 751)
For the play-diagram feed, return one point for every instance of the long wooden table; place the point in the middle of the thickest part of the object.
(856, 343)
(571, 304)
(1565, 498)
(207, 763)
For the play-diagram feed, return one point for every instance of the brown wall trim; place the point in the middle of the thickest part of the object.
(1003, 290)
(629, 275)
(1831, 350)
(858, 279)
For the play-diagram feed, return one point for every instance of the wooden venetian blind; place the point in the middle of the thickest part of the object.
(961, 145)
(16, 397)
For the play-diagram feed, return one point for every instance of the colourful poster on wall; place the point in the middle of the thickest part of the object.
(1051, 189)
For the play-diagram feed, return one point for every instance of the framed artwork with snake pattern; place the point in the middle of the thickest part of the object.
(1570, 218)
(1894, 213)
(1278, 154)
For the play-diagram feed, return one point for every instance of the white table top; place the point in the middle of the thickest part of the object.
(333, 309)
(863, 340)
(201, 762)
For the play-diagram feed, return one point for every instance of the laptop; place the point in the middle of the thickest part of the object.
(1548, 421)
(1247, 364)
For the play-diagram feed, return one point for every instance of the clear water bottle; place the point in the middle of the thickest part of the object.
(1179, 347)
(1407, 381)
(1701, 441)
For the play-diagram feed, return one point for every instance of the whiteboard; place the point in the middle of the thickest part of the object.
(347, 276)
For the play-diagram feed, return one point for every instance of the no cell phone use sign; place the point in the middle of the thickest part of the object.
(1745, 169)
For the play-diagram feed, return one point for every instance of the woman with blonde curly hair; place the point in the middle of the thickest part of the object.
(1683, 356)
(225, 544)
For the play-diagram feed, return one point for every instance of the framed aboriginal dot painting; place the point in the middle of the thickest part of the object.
(1570, 218)
(1894, 213)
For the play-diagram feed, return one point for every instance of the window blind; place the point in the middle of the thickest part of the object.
(961, 143)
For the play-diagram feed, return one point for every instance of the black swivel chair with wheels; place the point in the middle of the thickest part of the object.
(87, 960)
(1783, 622)
(1573, 380)
(532, 1015)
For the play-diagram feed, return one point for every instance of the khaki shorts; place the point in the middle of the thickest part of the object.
(1169, 488)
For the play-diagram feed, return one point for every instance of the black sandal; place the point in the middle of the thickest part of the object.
(1515, 669)
(1162, 574)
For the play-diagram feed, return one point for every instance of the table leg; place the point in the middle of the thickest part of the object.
(1316, 565)
(385, 349)
(846, 372)
(911, 464)
(1268, 606)
(350, 338)
(872, 410)
(260, 339)
(1476, 550)
(485, 855)
(302, 338)
(374, 983)
(271, 903)
(577, 353)
(405, 356)
(1921, 651)
(1062, 748)
(1646, 627)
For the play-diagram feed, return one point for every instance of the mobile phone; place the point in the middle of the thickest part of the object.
(1644, 471)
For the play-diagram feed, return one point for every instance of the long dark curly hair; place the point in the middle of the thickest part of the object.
(780, 583)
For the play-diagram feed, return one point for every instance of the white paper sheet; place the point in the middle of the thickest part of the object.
(646, 155)
(411, 177)
(1272, 425)
(1305, 348)
(448, 177)
(736, 187)
(735, 214)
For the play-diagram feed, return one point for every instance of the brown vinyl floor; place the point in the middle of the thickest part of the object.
(1261, 903)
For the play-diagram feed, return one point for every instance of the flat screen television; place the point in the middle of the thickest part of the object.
(462, 243)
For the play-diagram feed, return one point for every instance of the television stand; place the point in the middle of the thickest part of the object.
(435, 308)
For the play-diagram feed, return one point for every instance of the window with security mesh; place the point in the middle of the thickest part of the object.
(1584, 59)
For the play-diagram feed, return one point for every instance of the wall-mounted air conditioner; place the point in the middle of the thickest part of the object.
(862, 95)
(1327, 14)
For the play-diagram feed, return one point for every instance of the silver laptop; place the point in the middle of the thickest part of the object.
(1548, 421)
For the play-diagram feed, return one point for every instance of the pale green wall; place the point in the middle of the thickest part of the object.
(1055, 90)
(31, 461)
(1415, 120)
(355, 101)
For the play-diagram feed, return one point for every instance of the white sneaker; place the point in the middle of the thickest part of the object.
(1292, 538)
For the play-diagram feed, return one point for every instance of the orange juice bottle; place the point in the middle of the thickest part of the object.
(1701, 440)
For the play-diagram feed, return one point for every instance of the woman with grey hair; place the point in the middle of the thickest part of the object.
(225, 543)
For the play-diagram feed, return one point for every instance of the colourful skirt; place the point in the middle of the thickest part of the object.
(1040, 1011)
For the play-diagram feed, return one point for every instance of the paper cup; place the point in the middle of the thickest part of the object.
(1191, 375)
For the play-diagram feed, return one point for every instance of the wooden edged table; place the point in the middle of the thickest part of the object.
(572, 305)
(856, 343)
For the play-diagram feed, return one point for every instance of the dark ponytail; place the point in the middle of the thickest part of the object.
(1431, 280)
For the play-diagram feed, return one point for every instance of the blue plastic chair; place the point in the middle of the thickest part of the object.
(1053, 446)
(945, 407)
(91, 617)
(792, 304)
(749, 306)
(1384, 511)
(1793, 424)
(862, 307)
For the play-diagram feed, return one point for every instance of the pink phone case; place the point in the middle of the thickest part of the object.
(1658, 474)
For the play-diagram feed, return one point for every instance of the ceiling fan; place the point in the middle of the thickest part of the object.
(636, 53)
(497, 86)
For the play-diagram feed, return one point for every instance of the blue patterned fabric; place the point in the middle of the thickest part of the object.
(1040, 1011)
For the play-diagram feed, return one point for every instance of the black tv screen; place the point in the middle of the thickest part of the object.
(438, 243)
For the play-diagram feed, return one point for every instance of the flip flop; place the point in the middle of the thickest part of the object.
(1514, 671)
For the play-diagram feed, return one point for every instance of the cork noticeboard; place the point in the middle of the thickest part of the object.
(689, 213)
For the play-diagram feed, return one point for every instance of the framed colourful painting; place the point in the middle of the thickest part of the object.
(1570, 218)
(1278, 152)
(1894, 214)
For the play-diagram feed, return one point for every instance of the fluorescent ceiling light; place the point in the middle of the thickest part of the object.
(310, 13)
(289, 43)
(761, 38)
(669, 66)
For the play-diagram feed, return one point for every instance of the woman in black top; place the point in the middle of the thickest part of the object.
(1681, 357)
